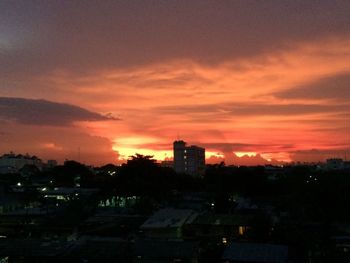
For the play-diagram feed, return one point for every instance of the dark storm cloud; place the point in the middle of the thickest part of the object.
(335, 87)
(85, 35)
(43, 112)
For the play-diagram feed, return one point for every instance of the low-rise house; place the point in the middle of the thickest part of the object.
(165, 251)
(109, 222)
(66, 194)
(255, 253)
(100, 249)
(168, 223)
(86, 249)
(220, 227)
(32, 250)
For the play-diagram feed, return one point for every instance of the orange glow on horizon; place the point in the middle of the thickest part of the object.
(241, 154)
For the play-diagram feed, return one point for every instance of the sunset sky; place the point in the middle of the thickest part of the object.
(251, 81)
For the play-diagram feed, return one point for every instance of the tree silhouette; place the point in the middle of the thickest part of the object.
(141, 175)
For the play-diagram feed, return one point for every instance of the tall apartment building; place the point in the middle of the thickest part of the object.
(189, 159)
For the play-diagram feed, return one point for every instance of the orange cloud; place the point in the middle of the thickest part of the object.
(233, 102)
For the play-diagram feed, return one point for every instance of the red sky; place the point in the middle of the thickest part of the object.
(251, 81)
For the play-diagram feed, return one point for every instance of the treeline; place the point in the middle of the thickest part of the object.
(310, 192)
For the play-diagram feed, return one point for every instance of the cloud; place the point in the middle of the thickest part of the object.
(248, 160)
(60, 143)
(232, 72)
(119, 34)
(331, 88)
(316, 155)
(254, 109)
(246, 147)
(43, 112)
(3, 133)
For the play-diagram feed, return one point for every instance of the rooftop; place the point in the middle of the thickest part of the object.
(256, 252)
(224, 219)
(165, 249)
(170, 218)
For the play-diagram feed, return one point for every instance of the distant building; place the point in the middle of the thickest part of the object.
(12, 163)
(169, 164)
(179, 156)
(51, 163)
(189, 159)
(335, 164)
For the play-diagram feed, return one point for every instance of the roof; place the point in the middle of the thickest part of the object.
(95, 248)
(35, 211)
(165, 249)
(224, 219)
(99, 248)
(19, 156)
(33, 247)
(170, 218)
(70, 191)
(255, 252)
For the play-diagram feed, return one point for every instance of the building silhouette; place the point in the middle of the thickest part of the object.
(12, 163)
(189, 159)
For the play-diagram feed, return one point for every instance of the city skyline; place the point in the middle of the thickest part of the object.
(252, 82)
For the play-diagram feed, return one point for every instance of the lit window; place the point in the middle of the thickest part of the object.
(241, 230)
(224, 240)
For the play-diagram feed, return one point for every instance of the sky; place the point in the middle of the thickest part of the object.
(253, 82)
